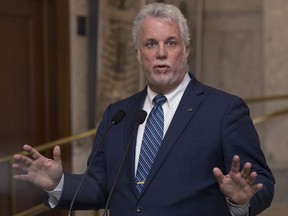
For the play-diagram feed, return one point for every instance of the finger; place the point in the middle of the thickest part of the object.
(18, 157)
(20, 167)
(32, 151)
(235, 166)
(257, 187)
(57, 154)
(21, 177)
(251, 178)
(21, 161)
(246, 170)
(16, 166)
(218, 175)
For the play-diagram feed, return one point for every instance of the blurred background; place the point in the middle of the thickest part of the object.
(63, 61)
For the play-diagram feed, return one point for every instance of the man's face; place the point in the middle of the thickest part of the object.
(162, 54)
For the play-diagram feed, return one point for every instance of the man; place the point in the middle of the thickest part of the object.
(205, 133)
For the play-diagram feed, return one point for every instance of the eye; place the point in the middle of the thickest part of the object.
(151, 44)
(171, 43)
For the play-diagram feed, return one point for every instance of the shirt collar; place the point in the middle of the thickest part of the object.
(174, 96)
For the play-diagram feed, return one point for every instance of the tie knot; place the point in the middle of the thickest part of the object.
(159, 99)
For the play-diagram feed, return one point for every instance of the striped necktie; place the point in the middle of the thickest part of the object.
(152, 138)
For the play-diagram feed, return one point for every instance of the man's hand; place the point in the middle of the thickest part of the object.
(238, 185)
(43, 172)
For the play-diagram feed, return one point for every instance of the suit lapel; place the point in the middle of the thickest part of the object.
(132, 111)
(190, 102)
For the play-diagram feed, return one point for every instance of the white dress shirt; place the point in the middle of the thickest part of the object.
(169, 109)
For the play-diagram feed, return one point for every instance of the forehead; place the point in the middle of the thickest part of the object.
(156, 28)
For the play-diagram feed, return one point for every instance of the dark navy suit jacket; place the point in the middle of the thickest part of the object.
(208, 128)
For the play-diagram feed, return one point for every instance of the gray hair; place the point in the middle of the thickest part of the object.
(166, 11)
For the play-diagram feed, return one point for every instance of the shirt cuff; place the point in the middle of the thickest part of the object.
(54, 195)
(238, 210)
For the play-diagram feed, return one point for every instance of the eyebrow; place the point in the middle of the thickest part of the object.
(150, 39)
(169, 38)
(172, 38)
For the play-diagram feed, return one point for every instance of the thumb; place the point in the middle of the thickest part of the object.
(218, 175)
(57, 154)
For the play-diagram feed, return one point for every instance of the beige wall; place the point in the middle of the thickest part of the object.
(245, 52)
(275, 36)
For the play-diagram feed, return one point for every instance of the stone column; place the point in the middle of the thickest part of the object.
(275, 17)
(276, 74)
(79, 90)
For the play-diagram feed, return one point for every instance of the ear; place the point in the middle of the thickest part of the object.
(187, 51)
(137, 54)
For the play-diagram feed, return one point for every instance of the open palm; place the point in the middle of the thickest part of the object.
(238, 185)
(39, 170)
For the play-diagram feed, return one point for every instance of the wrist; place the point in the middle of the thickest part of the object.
(59, 185)
(233, 203)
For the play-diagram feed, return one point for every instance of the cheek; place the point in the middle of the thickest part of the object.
(147, 58)
(180, 57)
(176, 59)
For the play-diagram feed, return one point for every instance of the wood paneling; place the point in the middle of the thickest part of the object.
(34, 86)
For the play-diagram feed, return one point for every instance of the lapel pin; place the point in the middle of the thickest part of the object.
(189, 109)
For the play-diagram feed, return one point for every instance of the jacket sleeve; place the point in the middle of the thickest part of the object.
(93, 191)
(239, 137)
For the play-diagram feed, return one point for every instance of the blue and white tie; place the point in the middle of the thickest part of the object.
(152, 138)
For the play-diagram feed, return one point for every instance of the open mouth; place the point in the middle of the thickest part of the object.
(161, 67)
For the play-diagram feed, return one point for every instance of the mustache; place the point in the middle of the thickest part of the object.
(161, 64)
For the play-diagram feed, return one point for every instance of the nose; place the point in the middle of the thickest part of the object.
(161, 52)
